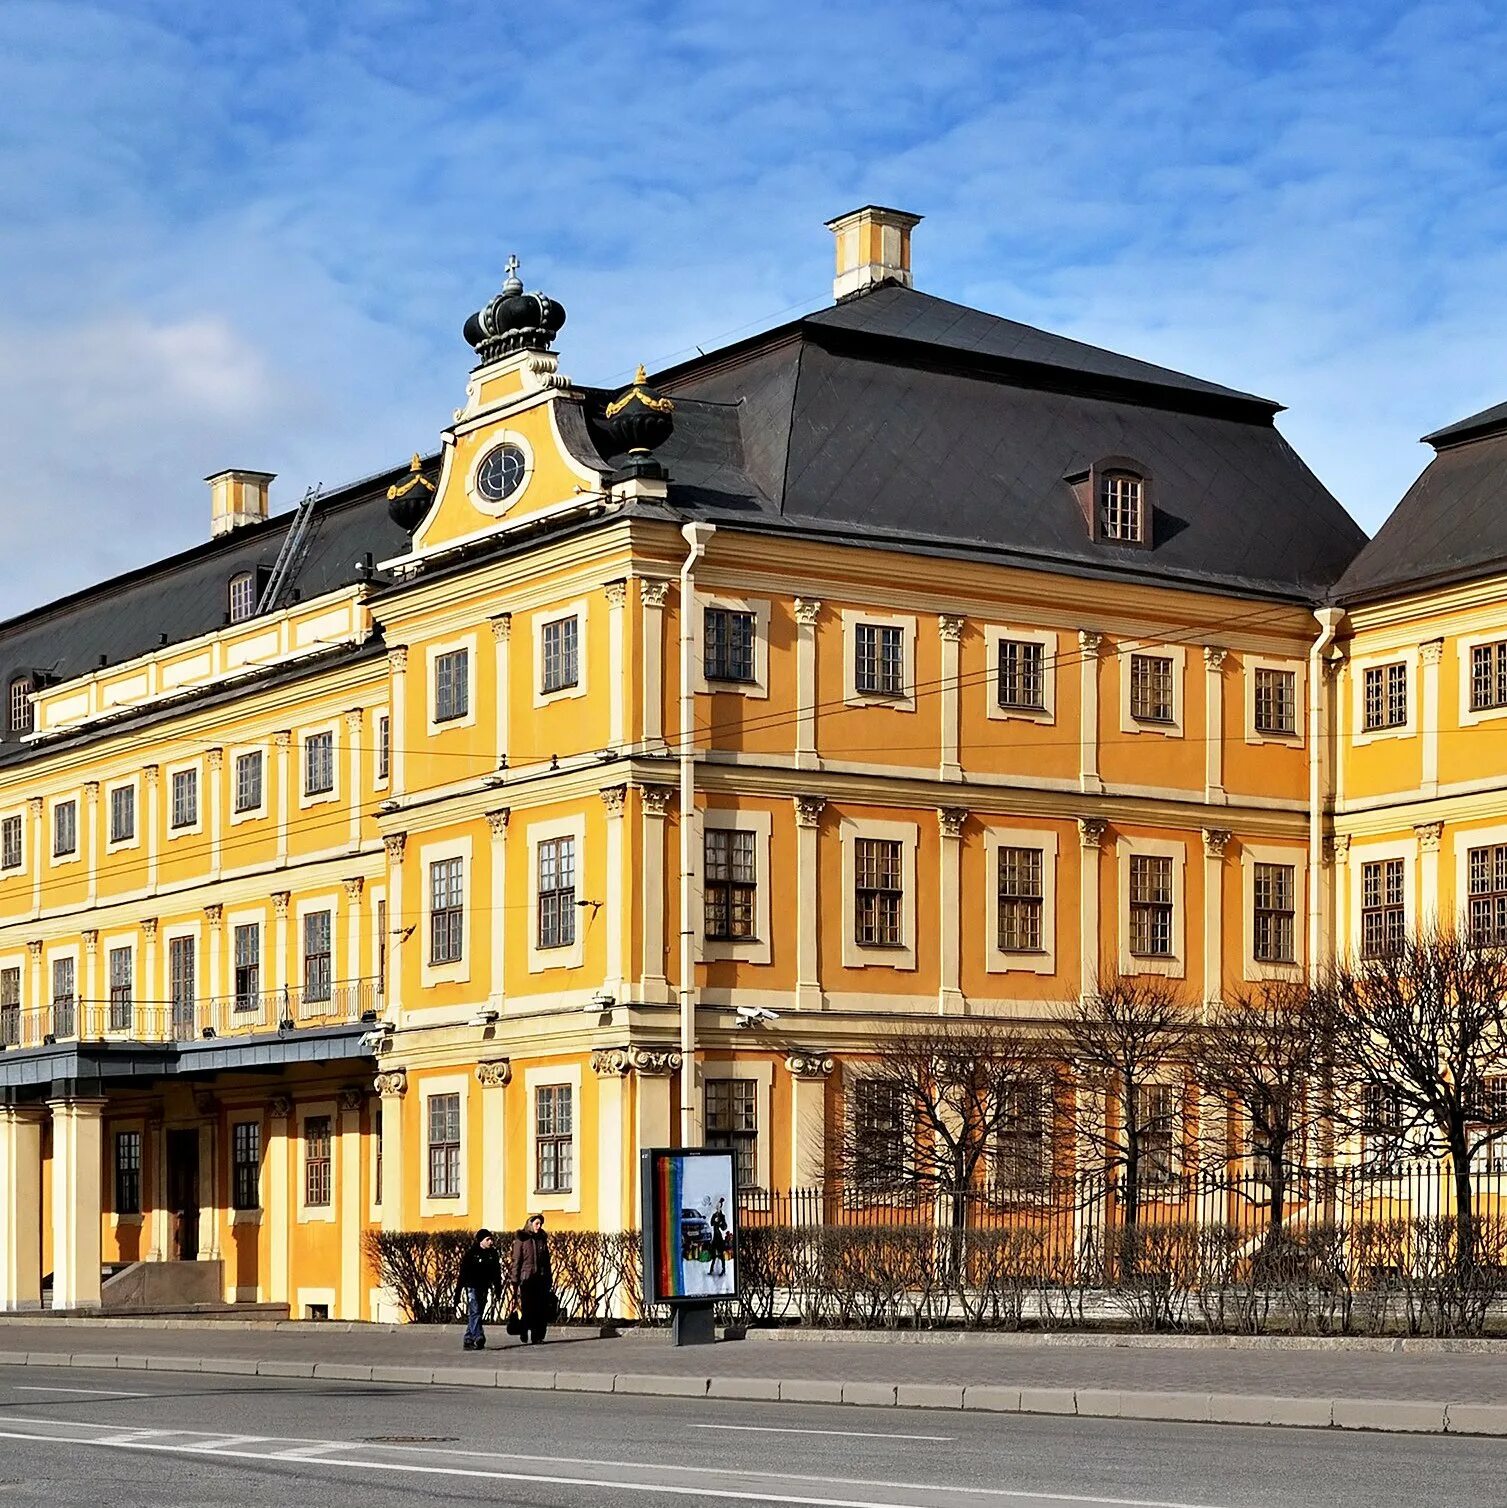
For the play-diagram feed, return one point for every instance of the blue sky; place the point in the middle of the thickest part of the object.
(249, 234)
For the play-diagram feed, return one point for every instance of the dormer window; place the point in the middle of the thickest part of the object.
(1122, 504)
(242, 596)
(21, 689)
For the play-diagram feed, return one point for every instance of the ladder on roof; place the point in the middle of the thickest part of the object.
(291, 554)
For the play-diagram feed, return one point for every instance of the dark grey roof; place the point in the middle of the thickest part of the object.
(1488, 421)
(862, 422)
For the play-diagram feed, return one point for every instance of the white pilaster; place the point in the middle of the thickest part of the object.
(653, 595)
(91, 844)
(809, 1073)
(494, 1078)
(808, 986)
(656, 803)
(497, 929)
(1216, 840)
(1428, 835)
(502, 647)
(808, 613)
(349, 1301)
(395, 844)
(617, 650)
(215, 764)
(1214, 658)
(282, 744)
(281, 1139)
(614, 1138)
(392, 1086)
(355, 722)
(77, 1201)
(397, 732)
(950, 821)
(1089, 645)
(614, 803)
(1091, 837)
(951, 631)
(1429, 655)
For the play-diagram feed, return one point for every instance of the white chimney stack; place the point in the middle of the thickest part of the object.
(237, 498)
(873, 248)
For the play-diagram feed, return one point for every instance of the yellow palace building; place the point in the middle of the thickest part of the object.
(625, 771)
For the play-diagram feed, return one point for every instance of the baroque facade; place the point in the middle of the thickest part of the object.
(626, 770)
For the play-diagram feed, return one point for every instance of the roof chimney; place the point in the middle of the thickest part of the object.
(237, 498)
(873, 248)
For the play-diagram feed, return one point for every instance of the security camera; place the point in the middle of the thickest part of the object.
(603, 1000)
(485, 1017)
(755, 1015)
(373, 1039)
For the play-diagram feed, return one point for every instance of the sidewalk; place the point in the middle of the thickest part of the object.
(1435, 1388)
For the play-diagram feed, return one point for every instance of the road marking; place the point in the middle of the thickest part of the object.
(90, 1392)
(836, 1434)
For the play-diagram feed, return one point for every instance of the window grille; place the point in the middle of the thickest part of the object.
(1276, 701)
(64, 829)
(728, 645)
(447, 914)
(1151, 689)
(732, 1123)
(452, 685)
(444, 1146)
(1021, 678)
(554, 1122)
(559, 649)
(1273, 932)
(128, 1172)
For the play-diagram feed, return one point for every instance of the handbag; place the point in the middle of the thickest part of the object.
(515, 1323)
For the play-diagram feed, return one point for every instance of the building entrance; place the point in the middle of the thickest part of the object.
(183, 1193)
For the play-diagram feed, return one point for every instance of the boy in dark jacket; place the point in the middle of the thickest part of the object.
(480, 1277)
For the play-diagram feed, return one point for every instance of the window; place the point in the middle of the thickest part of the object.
(1488, 676)
(64, 829)
(246, 1165)
(248, 781)
(122, 813)
(1020, 897)
(248, 966)
(554, 1121)
(316, 956)
(879, 659)
(728, 642)
(452, 685)
(181, 985)
(447, 913)
(10, 843)
(1151, 688)
(185, 812)
(64, 998)
(557, 893)
(881, 1123)
(1276, 701)
(377, 1155)
(878, 892)
(384, 745)
(1488, 893)
(444, 1146)
(1023, 1157)
(1383, 916)
(1021, 674)
(1386, 696)
(1381, 1116)
(20, 704)
(120, 989)
(10, 1007)
(382, 946)
(559, 650)
(318, 764)
(242, 597)
(731, 883)
(1273, 930)
(128, 1172)
(1121, 496)
(1157, 1114)
(732, 1122)
(1150, 906)
(316, 1161)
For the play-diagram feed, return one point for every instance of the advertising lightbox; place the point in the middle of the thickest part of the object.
(690, 1225)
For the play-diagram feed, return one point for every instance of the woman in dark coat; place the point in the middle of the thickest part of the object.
(480, 1278)
(717, 1267)
(532, 1281)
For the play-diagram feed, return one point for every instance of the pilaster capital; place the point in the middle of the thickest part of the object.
(807, 611)
(950, 626)
(654, 1062)
(808, 810)
(502, 628)
(213, 913)
(1216, 840)
(91, 941)
(353, 885)
(616, 593)
(393, 1084)
(610, 1062)
(495, 1074)
(397, 659)
(395, 843)
(34, 949)
(149, 927)
(497, 822)
(809, 1065)
(1431, 652)
(216, 761)
(149, 773)
(1089, 643)
(280, 903)
(34, 803)
(1091, 831)
(1341, 842)
(354, 718)
(280, 1106)
(656, 799)
(1214, 656)
(282, 739)
(91, 790)
(205, 1102)
(614, 799)
(950, 820)
(1429, 834)
(653, 591)
(352, 1097)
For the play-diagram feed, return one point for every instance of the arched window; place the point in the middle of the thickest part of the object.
(242, 596)
(21, 689)
(1122, 507)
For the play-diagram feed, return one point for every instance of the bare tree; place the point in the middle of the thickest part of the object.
(1122, 1036)
(1265, 1051)
(1420, 1051)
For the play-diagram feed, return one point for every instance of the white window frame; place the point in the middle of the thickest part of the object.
(1175, 966)
(902, 701)
(547, 1075)
(580, 610)
(318, 901)
(759, 947)
(429, 1204)
(1299, 672)
(1463, 840)
(169, 775)
(1464, 650)
(761, 1071)
(854, 954)
(323, 1214)
(107, 799)
(995, 960)
(300, 771)
(114, 942)
(18, 812)
(381, 718)
(1405, 849)
(50, 830)
(432, 655)
(542, 959)
(994, 636)
(458, 971)
(1252, 854)
(485, 445)
(252, 813)
(1360, 735)
(756, 607)
(1178, 654)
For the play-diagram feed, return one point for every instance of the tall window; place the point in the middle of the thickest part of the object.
(246, 1164)
(1276, 701)
(248, 781)
(879, 659)
(731, 884)
(560, 651)
(1157, 1112)
(1151, 688)
(1122, 497)
(182, 989)
(382, 946)
(318, 764)
(1386, 696)
(316, 1161)
(732, 1122)
(384, 745)
(1020, 900)
(728, 643)
(554, 1122)
(122, 813)
(64, 829)
(128, 1172)
(1381, 1115)
(248, 966)
(447, 910)
(242, 596)
(1021, 678)
(1024, 1151)
(557, 893)
(1383, 914)
(1150, 906)
(120, 989)
(316, 956)
(10, 1007)
(185, 808)
(452, 685)
(20, 704)
(10, 843)
(64, 997)
(879, 892)
(377, 1154)
(1488, 676)
(444, 1146)
(882, 1119)
(1488, 893)
(1273, 931)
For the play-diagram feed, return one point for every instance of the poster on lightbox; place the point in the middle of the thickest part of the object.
(690, 1225)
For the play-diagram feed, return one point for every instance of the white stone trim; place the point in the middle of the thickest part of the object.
(49, 829)
(169, 773)
(761, 1071)
(580, 610)
(107, 796)
(996, 961)
(19, 811)
(430, 1205)
(903, 701)
(855, 955)
(305, 1298)
(1299, 671)
(758, 948)
(432, 652)
(1296, 859)
(1463, 840)
(1362, 854)
(994, 636)
(380, 715)
(1178, 654)
(541, 959)
(1175, 849)
(232, 755)
(1468, 718)
(458, 972)
(535, 1078)
(759, 607)
(300, 767)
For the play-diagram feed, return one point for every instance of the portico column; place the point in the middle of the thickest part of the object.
(21, 1204)
(1216, 840)
(1091, 837)
(494, 1077)
(392, 1086)
(950, 820)
(809, 1073)
(348, 1299)
(808, 613)
(77, 1201)
(808, 986)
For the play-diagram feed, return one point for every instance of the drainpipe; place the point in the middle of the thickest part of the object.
(1329, 619)
(696, 536)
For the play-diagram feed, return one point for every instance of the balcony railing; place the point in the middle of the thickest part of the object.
(121, 1019)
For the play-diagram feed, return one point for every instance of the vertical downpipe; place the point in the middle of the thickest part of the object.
(1329, 619)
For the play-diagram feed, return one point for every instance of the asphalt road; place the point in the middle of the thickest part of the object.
(143, 1440)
